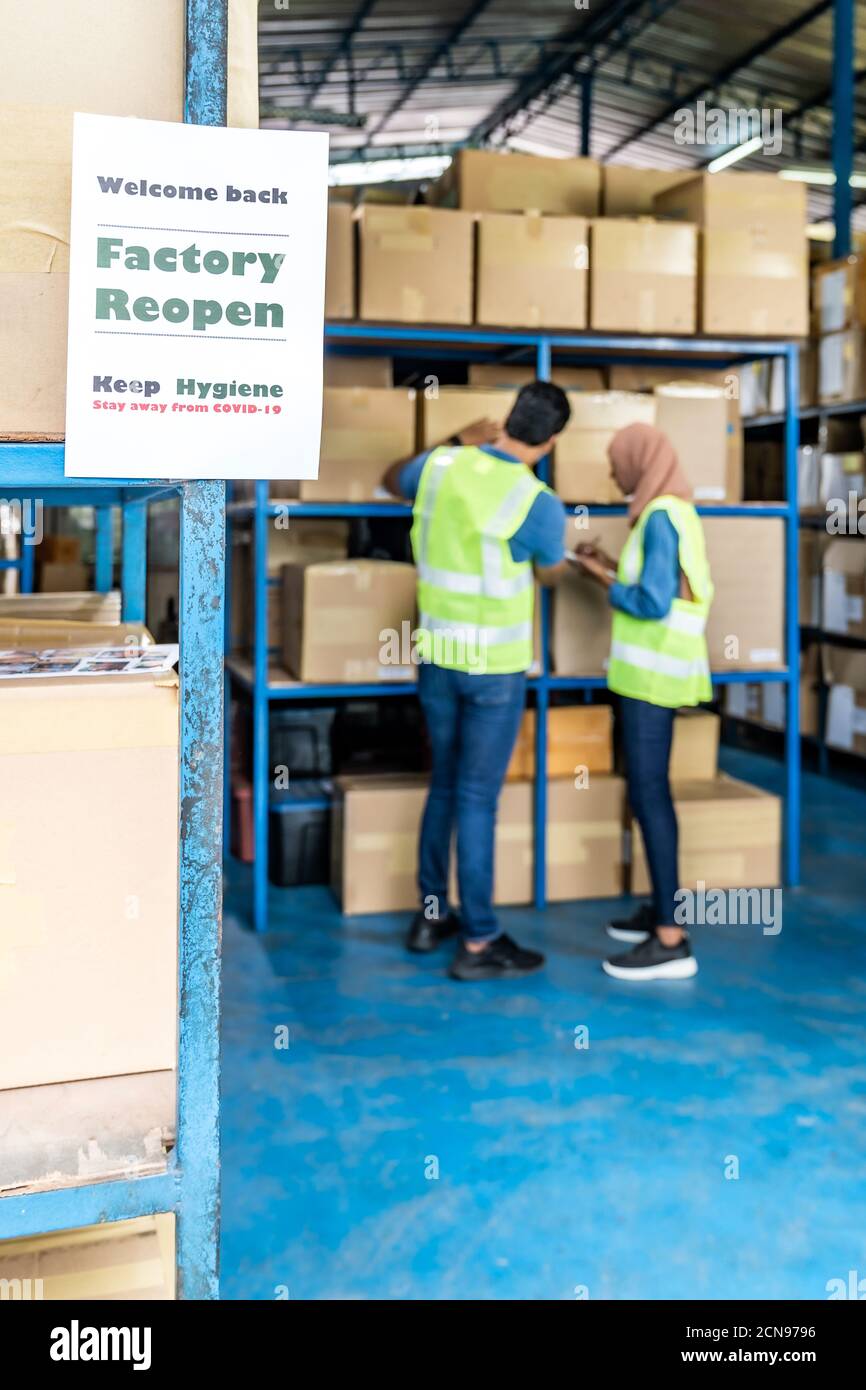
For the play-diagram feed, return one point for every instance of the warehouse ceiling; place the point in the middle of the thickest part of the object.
(389, 79)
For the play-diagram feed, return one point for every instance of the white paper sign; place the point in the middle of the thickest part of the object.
(196, 301)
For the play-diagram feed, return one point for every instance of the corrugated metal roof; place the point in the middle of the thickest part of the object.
(383, 76)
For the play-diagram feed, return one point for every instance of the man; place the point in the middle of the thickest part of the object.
(482, 523)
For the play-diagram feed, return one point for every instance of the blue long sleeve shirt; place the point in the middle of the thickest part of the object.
(659, 583)
(539, 538)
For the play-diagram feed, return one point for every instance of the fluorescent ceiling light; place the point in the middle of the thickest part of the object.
(388, 170)
(738, 152)
(825, 177)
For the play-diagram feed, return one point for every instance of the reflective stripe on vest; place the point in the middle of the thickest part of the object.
(476, 601)
(664, 661)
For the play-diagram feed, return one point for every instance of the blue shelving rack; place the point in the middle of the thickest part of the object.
(189, 1185)
(484, 345)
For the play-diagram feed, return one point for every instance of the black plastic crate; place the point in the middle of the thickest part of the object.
(299, 838)
(301, 739)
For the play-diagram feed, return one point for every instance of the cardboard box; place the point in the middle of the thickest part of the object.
(754, 255)
(648, 377)
(843, 586)
(64, 550)
(491, 181)
(741, 635)
(35, 633)
(842, 366)
(579, 738)
(627, 192)
(489, 374)
(306, 541)
(374, 844)
(416, 265)
(839, 295)
(729, 202)
(753, 284)
(358, 371)
(580, 628)
(845, 673)
(340, 263)
(730, 837)
(581, 469)
(33, 355)
(364, 430)
(335, 615)
(531, 270)
(643, 276)
(696, 419)
(585, 838)
(452, 408)
(93, 57)
(89, 980)
(695, 749)
(57, 577)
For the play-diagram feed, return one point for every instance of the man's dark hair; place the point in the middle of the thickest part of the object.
(541, 410)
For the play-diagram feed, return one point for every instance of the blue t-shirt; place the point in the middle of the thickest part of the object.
(540, 538)
(659, 582)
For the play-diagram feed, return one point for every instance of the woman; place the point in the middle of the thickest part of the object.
(660, 593)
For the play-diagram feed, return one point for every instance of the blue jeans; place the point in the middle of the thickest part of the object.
(647, 731)
(472, 721)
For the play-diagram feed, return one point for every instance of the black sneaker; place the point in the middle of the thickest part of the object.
(503, 959)
(426, 933)
(636, 928)
(653, 961)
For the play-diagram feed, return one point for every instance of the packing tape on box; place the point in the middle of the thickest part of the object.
(575, 842)
(401, 847)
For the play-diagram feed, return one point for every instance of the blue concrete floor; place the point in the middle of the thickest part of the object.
(559, 1169)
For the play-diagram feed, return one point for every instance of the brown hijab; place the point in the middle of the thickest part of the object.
(645, 465)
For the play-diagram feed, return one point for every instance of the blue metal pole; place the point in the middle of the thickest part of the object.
(28, 566)
(103, 549)
(792, 618)
(261, 778)
(133, 563)
(202, 635)
(543, 367)
(202, 562)
(843, 122)
(227, 711)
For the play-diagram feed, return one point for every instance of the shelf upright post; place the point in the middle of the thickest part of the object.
(543, 367)
(792, 617)
(103, 556)
(227, 691)
(261, 779)
(133, 562)
(843, 122)
(27, 568)
(202, 558)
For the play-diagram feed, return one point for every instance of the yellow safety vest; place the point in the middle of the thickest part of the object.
(665, 661)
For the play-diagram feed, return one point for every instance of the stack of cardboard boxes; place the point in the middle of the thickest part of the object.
(839, 322)
(730, 832)
(516, 240)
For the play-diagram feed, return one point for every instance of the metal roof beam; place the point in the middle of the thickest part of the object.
(744, 60)
(441, 51)
(342, 50)
(576, 42)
